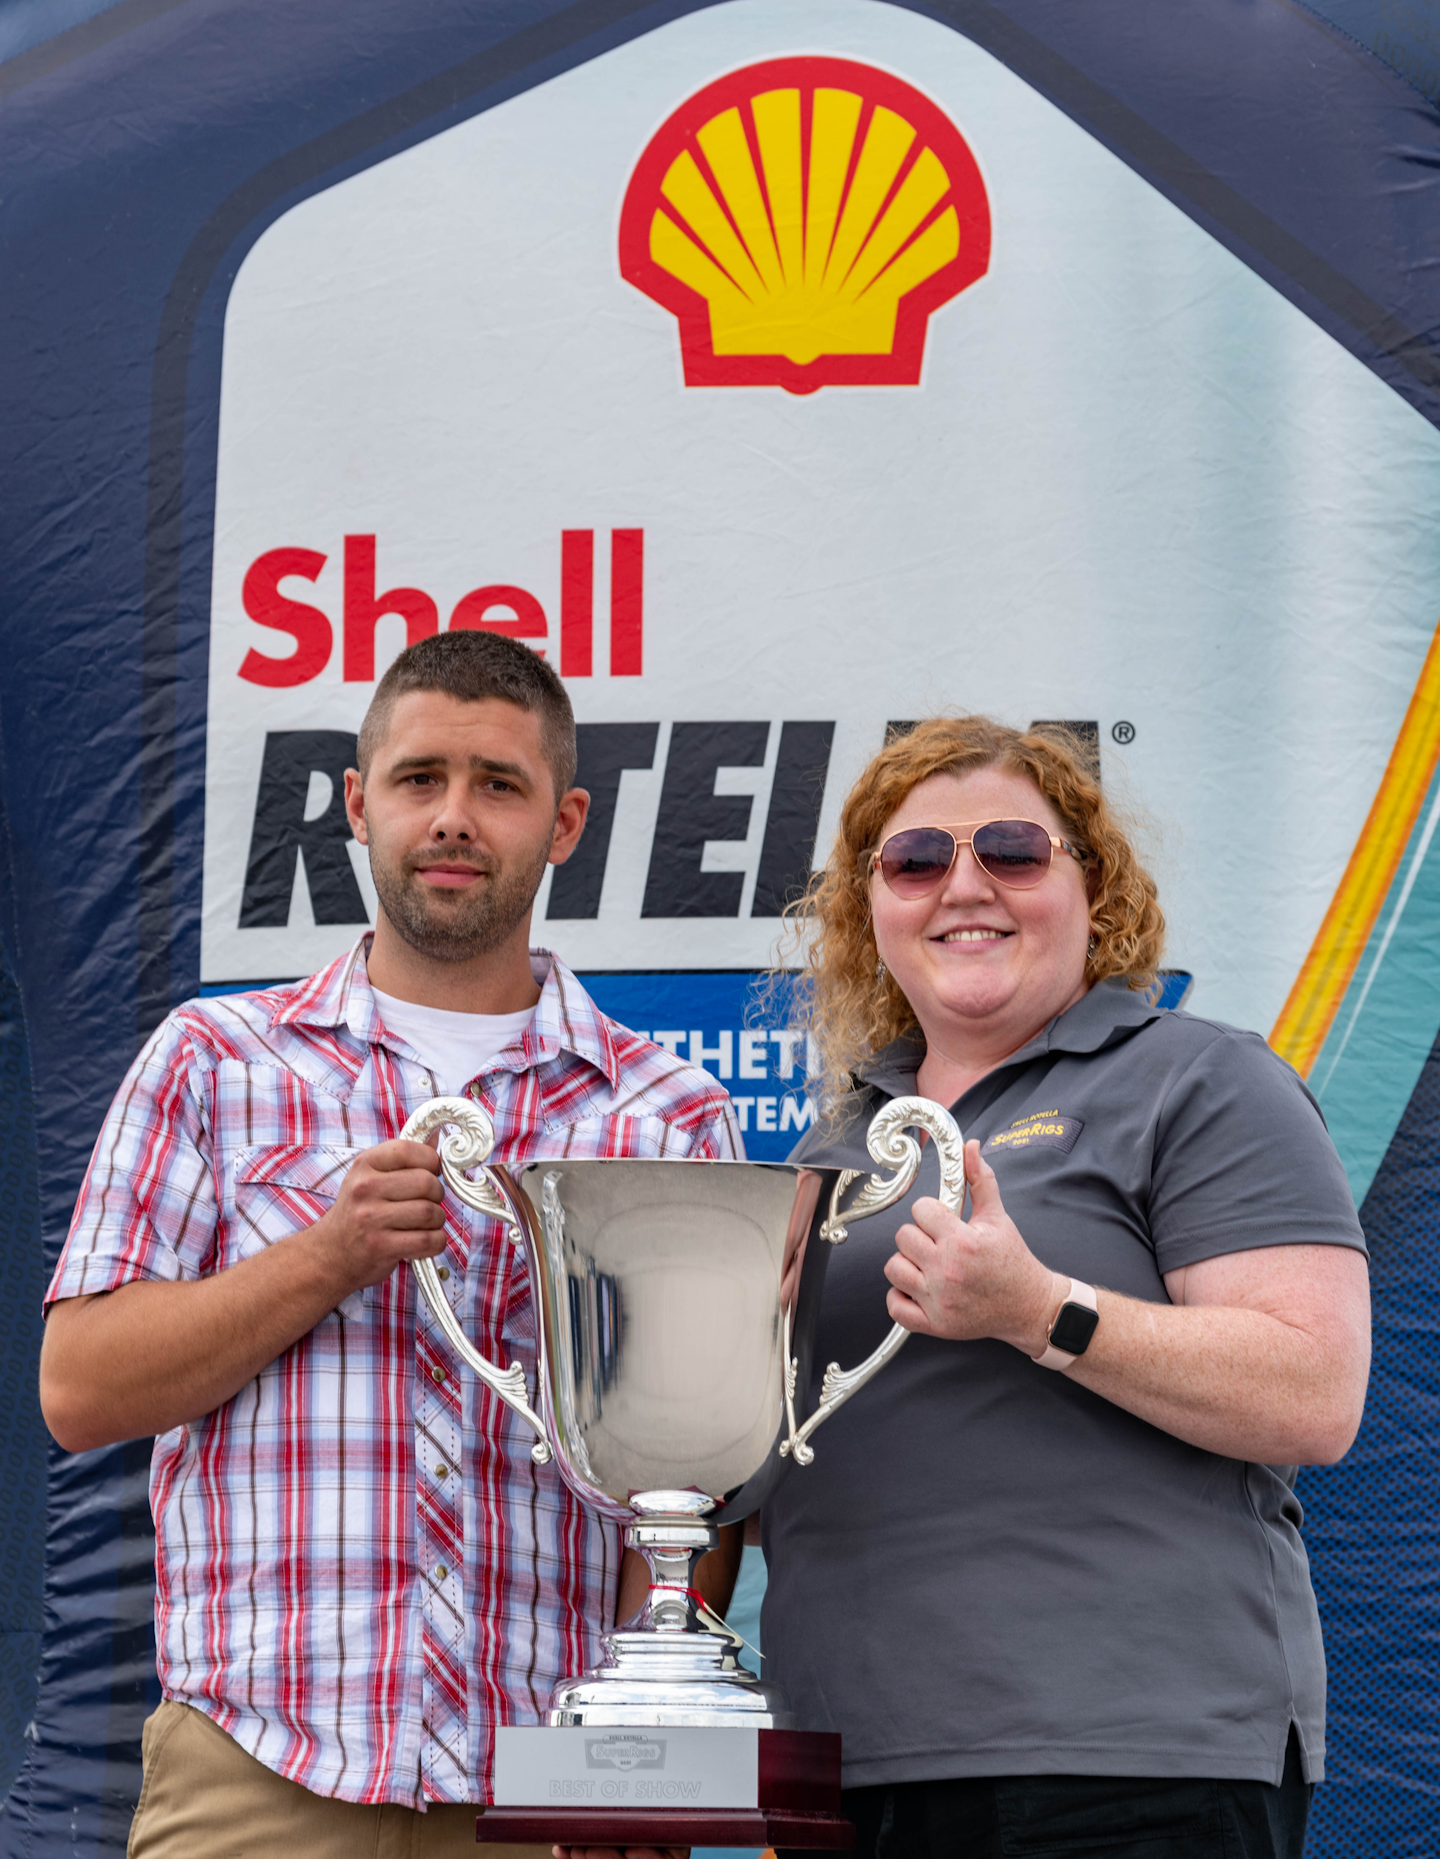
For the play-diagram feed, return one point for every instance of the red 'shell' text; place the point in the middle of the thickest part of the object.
(497, 607)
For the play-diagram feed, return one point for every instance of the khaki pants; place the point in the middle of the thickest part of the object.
(203, 1797)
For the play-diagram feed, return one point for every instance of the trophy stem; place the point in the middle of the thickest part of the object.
(672, 1546)
(664, 1666)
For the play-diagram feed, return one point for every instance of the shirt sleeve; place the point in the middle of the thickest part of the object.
(147, 1208)
(718, 1138)
(1243, 1159)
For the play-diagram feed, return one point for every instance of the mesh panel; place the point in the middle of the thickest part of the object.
(1372, 1525)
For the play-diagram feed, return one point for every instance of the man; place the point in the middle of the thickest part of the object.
(360, 1571)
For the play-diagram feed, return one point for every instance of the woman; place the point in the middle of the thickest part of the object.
(1045, 1573)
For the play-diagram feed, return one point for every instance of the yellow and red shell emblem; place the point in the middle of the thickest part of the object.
(801, 218)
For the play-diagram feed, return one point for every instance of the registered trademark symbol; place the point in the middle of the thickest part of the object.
(1123, 732)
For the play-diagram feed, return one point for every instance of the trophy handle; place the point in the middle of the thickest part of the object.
(471, 1138)
(889, 1141)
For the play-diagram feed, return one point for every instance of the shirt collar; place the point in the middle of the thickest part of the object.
(1110, 1012)
(566, 1019)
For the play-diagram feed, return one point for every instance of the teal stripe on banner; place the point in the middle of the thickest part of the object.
(1387, 1023)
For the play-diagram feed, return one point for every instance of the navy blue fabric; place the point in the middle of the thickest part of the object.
(1405, 35)
(25, 24)
(121, 230)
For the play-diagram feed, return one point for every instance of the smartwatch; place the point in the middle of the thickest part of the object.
(1075, 1323)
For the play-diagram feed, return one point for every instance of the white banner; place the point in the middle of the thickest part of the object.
(1131, 487)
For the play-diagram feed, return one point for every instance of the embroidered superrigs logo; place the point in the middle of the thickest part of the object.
(1043, 1129)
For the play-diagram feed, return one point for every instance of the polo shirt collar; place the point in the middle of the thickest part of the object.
(1108, 1014)
(566, 1019)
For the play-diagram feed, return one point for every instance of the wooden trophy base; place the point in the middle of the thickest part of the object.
(602, 1787)
(705, 1826)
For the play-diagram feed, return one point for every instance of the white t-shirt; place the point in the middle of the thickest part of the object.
(455, 1046)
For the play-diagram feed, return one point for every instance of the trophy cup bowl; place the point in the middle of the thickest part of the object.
(676, 1304)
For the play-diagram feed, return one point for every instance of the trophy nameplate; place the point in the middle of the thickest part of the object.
(668, 1786)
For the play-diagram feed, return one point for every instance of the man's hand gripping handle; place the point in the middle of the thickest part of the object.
(468, 1145)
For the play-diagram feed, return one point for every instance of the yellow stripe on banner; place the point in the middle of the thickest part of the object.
(1319, 988)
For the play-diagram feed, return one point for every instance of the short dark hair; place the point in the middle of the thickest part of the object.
(472, 666)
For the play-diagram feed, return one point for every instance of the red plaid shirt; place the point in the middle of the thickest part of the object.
(301, 1597)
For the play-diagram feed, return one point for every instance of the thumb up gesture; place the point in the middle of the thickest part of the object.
(966, 1279)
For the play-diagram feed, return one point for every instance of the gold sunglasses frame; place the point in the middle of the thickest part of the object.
(870, 861)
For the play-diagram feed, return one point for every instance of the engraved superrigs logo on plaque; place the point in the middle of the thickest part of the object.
(624, 1752)
(802, 218)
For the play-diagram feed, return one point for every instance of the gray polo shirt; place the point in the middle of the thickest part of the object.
(989, 1570)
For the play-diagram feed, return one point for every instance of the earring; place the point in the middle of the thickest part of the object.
(1091, 947)
(879, 971)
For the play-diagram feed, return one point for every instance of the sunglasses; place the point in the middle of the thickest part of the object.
(1015, 853)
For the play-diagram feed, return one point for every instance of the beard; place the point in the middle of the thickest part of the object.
(453, 926)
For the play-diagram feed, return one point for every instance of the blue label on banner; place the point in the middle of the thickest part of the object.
(739, 1029)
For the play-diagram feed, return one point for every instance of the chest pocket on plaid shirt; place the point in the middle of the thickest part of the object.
(280, 1189)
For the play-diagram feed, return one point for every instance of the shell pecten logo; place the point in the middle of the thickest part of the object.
(801, 219)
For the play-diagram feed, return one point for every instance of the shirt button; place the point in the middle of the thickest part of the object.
(442, 1271)
(442, 1471)
(437, 1374)
(441, 1571)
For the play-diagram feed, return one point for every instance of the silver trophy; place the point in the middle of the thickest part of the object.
(676, 1305)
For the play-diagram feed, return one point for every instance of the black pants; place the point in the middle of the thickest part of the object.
(1082, 1817)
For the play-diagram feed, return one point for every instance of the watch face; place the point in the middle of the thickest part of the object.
(1073, 1328)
